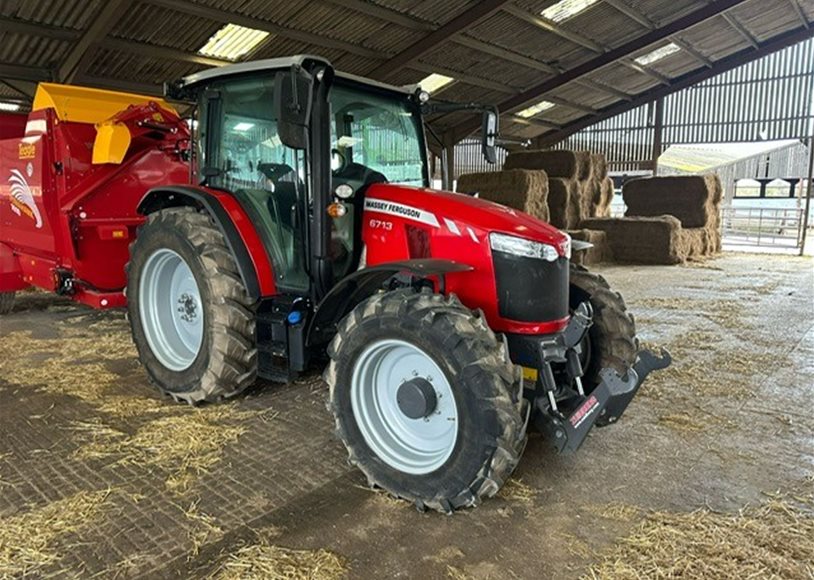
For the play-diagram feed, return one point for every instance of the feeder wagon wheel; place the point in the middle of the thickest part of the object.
(189, 311)
(425, 399)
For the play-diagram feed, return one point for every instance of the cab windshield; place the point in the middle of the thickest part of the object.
(380, 133)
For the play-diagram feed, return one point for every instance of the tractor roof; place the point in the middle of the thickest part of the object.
(276, 64)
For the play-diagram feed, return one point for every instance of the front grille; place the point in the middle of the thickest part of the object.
(531, 289)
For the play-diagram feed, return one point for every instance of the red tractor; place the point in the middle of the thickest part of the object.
(295, 218)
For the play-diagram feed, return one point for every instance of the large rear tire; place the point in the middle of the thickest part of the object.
(611, 340)
(6, 302)
(189, 311)
(425, 399)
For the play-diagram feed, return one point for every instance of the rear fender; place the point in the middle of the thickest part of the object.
(11, 274)
(356, 287)
(241, 236)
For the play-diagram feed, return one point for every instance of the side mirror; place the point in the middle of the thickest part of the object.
(293, 98)
(489, 132)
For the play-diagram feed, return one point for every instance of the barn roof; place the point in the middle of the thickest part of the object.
(610, 56)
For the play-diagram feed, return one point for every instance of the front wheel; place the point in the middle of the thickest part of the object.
(424, 399)
(611, 340)
(189, 310)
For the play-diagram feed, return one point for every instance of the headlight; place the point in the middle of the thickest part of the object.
(522, 247)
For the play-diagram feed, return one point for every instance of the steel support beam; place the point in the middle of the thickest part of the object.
(25, 73)
(658, 133)
(508, 55)
(474, 14)
(741, 29)
(597, 86)
(25, 88)
(554, 28)
(645, 70)
(808, 194)
(536, 92)
(642, 19)
(111, 11)
(18, 26)
(800, 14)
(687, 80)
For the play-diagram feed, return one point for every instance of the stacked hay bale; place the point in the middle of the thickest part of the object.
(578, 189)
(641, 240)
(599, 253)
(694, 199)
(578, 184)
(562, 168)
(520, 189)
(668, 221)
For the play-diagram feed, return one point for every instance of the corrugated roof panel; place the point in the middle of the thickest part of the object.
(76, 14)
(455, 57)
(334, 22)
(524, 38)
(157, 25)
(118, 65)
(33, 51)
(584, 96)
(438, 12)
(714, 38)
(664, 11)
(770, 20)
(390, 38)
(277, 12)
(604, 25)
(281, 46)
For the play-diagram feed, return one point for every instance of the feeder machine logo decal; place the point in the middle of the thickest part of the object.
(26, 151)
(22, 198)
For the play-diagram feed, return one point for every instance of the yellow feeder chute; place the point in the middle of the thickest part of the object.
(96, 106)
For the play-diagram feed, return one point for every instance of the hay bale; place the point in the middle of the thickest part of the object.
(584, 165)
(693, 199)
(520, 189)
(642, 240)
(560, 164)
(600, 253)
(607, 191)
(599, 165)
(563, 203)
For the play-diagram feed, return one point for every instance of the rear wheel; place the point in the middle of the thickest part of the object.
(189, 310)
(611, 340)
(424, 399)
(6, 302)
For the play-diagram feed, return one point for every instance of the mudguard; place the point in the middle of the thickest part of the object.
(354, 288)
(241, 236)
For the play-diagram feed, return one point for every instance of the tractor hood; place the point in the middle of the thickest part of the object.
(457, 211)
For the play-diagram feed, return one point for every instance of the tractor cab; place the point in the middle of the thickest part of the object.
(287, 136)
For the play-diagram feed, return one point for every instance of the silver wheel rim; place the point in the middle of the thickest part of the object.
(170, 309)
(415, 446)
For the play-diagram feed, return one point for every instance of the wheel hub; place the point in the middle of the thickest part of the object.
(171, 309)
(404, 406)
(416, 398)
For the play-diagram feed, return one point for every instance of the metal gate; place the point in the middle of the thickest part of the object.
(762, 227)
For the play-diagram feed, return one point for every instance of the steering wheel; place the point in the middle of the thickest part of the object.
(274, 171)
(343, 162)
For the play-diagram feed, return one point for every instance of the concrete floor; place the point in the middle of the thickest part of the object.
(731, 420)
